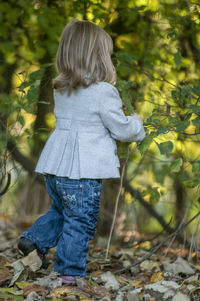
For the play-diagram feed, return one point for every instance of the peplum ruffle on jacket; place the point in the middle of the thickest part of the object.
(83, 142)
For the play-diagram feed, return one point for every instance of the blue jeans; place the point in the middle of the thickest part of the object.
(69, 224)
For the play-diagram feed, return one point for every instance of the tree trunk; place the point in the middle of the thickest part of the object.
(180, 201)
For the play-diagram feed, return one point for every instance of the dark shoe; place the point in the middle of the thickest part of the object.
(25, 246)
(70, 280)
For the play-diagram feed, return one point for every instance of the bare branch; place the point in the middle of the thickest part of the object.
(156, 248)
(7, 185)
(137, 195)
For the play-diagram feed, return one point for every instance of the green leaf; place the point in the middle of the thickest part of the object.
(127, 101)
(7, 296)
(21, 120)
(36, 83)
(154, 195)
(196, 166)
(194, 109)
(182, 125)
(125, 57)
(176, 165)
(191, 183)
(23, 284)
(172, 34)
(124, 87)
(196, 89)
(185, 91)
(123, 84)
(156, 121)
(10, 293)
(178, 59)
(196, 121)
(36, 75)
(175, 95)
(144, 145)
(32, 94)
(165, 147)
(172, 121)
(151, 77)
(23, 86)
(163, 129)
(29, 108)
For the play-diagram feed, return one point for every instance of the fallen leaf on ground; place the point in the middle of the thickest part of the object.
(94, 290)
(34, 288)
(181, 297)
(23, 284)
(149, 265)
(179, 266)
(10, 294)
(132, 296)
(33, 296)
(166, 288)
(156, 277)
(120, 296)
(65, 291)
(50, 281)
(4, 261)
(110, 281)
(20, 273)
(5, 275)
(33, 261)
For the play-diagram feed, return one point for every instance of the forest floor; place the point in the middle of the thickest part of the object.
(166, 275)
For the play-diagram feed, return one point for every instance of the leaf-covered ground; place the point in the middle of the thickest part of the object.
(166, 275)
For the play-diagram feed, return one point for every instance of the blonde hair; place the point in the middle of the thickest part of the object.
(83, 56)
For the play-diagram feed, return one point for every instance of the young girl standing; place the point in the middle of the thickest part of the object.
(82, 149)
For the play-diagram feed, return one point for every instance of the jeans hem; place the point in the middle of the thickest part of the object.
(69, 273)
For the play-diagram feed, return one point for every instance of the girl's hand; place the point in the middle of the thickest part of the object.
(138, 117)
(123, 106)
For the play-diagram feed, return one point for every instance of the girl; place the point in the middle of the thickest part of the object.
(82, 149)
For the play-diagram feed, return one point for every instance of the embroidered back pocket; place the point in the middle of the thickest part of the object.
(71, 196)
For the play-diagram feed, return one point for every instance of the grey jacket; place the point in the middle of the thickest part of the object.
(87, 124)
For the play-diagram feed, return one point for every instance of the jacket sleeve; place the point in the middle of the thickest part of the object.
(121, 127)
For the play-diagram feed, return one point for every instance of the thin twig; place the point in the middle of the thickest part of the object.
(192, 239)
(156, 248)
(116, 204)
(149, 240)
(179, 226)
(197, 240)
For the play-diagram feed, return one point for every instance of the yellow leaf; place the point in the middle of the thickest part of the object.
(23, 284)
(156, 277)
(111, 250)
(197, 267)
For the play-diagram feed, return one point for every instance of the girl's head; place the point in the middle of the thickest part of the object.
(83, 56)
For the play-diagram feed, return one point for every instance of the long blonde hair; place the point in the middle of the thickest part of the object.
(83, 56)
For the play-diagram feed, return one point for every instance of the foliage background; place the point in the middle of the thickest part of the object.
(156, 54)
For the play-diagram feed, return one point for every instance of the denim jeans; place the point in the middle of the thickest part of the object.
(69, 224)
